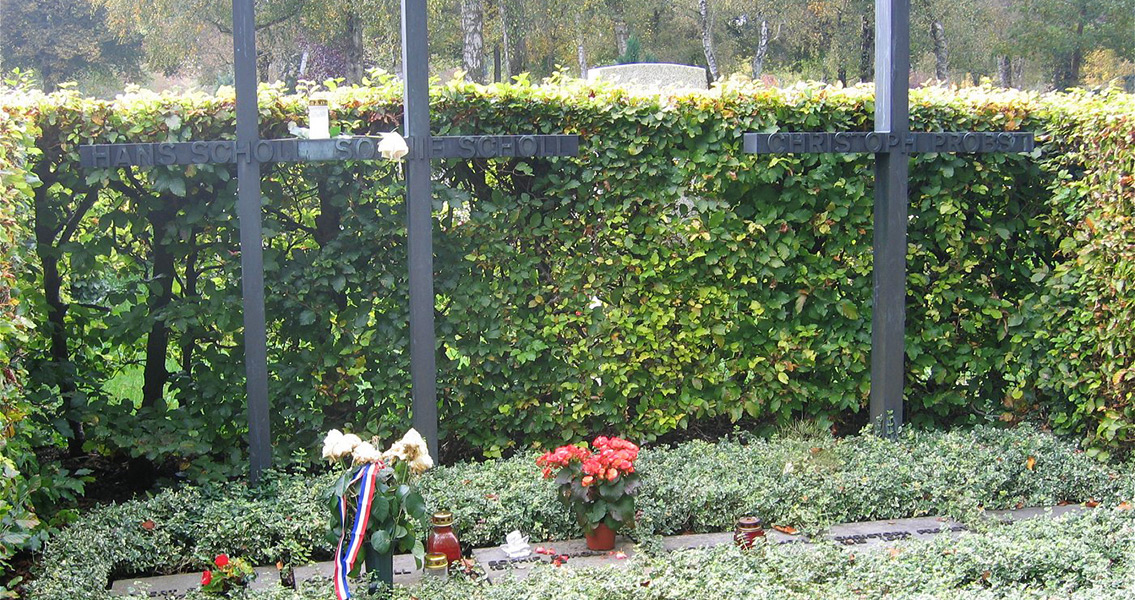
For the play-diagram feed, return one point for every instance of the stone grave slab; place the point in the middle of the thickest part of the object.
(652, 76)
(498, 565)
(175, 586)
(406, 571)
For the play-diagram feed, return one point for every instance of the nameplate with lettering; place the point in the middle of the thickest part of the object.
(877, 142)
(103, 156)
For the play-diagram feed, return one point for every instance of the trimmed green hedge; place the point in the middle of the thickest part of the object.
(693, 487)
(732, 286)
(1076, 329)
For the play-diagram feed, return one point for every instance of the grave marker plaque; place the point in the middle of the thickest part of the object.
(248, 152)
(892, 143)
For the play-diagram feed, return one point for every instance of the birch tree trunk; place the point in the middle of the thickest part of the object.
(473, 49)
(354, 56)
(506, 40)
(941, 52)
(762, 50)
(619, 19)
(706, 25)
(1004, 72)
(867, 50)
(580, 49)
(622, 34)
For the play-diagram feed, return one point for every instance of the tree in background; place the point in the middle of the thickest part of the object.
(196, 35)
(64, 40)
(1015, 42)
(1060, 33)
(473, 39)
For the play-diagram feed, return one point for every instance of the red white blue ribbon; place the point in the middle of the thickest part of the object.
(345, 557)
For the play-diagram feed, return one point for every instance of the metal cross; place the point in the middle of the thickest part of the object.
(892, 142)
(248, 152)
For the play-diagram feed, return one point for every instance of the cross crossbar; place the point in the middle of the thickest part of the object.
(102, 156)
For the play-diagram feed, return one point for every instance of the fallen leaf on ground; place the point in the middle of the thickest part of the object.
(1092, 503)
(1030, 463)
(1124, 506)
(148, 525)
(894, 551)
(785, 529)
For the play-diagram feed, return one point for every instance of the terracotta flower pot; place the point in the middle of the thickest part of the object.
(600, 538)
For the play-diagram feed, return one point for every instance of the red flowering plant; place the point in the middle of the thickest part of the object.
(598, 485)
(227, 575)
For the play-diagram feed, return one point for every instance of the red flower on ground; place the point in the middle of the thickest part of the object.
(221, 560)
(206, 577)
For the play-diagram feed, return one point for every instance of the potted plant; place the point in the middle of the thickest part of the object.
(376, 508)
(226, 576)
(598, 485)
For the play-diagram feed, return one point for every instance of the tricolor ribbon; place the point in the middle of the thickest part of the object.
(345, 557)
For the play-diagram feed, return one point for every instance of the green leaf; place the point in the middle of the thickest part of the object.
(380, 509)
(415, 505)
(611, 491)
(623, 510)
(597, 511)
(177, 186)
(380, 541)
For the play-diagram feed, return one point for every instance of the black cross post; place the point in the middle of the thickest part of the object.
(892, 142)
(248, 152)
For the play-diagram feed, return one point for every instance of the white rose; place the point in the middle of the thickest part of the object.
(393, 146)
(412, 449)
(422, 463)
(329, 442)
(365, 452)
(414, 439)
(396, 452)
(346, 445)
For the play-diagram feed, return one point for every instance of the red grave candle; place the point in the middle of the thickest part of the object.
(442, 540)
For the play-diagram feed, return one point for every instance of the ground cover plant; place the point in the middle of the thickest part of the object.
(1081, 557)
(694, 487)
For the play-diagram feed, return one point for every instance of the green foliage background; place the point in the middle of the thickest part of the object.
(731, 286)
